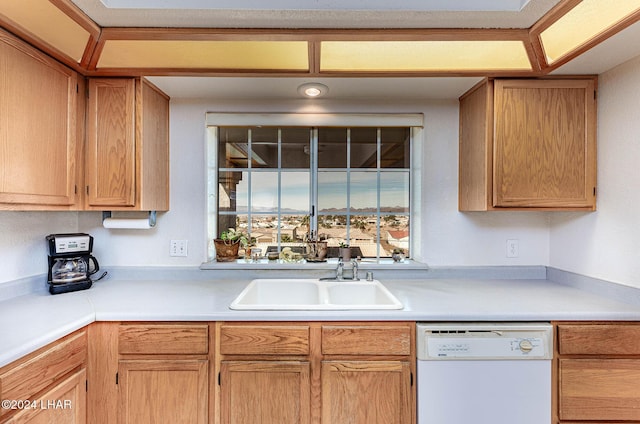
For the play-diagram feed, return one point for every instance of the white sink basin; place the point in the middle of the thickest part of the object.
(314, 294)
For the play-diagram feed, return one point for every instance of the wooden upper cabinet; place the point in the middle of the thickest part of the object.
(528, 144)
(127, 150)
(111, 148)
(38, 139)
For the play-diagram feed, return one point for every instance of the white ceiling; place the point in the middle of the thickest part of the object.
(313, 13)
(339, 14)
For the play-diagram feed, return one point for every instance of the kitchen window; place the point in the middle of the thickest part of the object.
(282, 184)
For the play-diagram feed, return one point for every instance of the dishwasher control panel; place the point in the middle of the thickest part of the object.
(484, 341)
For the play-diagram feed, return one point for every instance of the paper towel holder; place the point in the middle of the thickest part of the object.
(152, 217)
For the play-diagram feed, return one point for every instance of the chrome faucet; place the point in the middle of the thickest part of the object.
(340, 275)
(340, 270)
(354, 269)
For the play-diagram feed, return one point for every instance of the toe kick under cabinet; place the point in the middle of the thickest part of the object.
(598, 373)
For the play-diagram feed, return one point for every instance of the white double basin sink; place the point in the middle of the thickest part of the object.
(314, 294)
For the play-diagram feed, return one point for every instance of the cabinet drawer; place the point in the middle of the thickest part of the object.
(264, 339)
(43, 369)
(366, 339)
(596, 339)
(599, 389)
(163, 339)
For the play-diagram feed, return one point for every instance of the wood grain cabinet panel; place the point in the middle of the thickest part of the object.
(598, 370)
(599, 389)
(163, 391)
(111, 147)
(528, 144)
(265, 392)
(63, 404)
(158, 339)
(127, 155)
(56, 372)
(264, 339)
(38, 133)
(599, 339)
(366, 339)
(317, 372)
(366, 392)
(45, 368)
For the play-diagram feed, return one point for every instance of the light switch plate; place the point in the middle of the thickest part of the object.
(178, 248)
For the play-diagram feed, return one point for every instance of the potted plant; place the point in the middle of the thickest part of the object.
(345, 251)
(228, 244)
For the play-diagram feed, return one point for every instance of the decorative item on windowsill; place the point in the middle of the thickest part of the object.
(398, 255)
(316, 250)
(345, 251)
(288, 255)
(228, 245)
(249, 247)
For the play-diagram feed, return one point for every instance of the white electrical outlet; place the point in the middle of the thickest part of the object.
(513, 250)
(178, 248)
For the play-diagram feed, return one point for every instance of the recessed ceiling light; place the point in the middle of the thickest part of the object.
(313, 89)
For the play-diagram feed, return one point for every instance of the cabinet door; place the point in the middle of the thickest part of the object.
(599, 389)
(63, 404)
(37, 127)
(544, 143)
(111, 153)
(265, 392)
(172, 391)
(366, 392)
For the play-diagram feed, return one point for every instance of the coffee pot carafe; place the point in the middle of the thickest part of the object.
(67, 270)
(71, 264)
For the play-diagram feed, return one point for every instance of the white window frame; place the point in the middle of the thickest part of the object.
(414, 121)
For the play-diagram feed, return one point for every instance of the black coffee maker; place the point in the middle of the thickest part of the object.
(70, 262)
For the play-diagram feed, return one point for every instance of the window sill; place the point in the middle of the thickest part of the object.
(265, 264)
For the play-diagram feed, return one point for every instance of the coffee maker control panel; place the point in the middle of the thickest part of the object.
(70, 243)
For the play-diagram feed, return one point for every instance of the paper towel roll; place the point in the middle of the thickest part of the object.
(122, 223)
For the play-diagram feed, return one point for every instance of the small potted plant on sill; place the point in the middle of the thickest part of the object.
(345, 251)
(228, 245)
(398, 255)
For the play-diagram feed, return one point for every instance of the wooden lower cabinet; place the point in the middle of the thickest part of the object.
(48, 385)
(63, 404)
(163, 391)
(150, 373)
(366, 392)
(598, 373)
(320, 373)
(265, 392)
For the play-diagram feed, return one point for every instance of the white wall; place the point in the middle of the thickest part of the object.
(448, 237)
(23, 250)
(606, 244)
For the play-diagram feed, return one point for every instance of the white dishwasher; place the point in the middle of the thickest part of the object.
(485, 373)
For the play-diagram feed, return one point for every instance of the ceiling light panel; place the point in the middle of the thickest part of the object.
(584, 22)
(189, 54)
(425, 56)
(49, 24)
(414, 5)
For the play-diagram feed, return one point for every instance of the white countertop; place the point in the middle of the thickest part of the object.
(31, 321)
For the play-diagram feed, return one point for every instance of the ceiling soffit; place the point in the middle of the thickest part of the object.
(296, 52)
